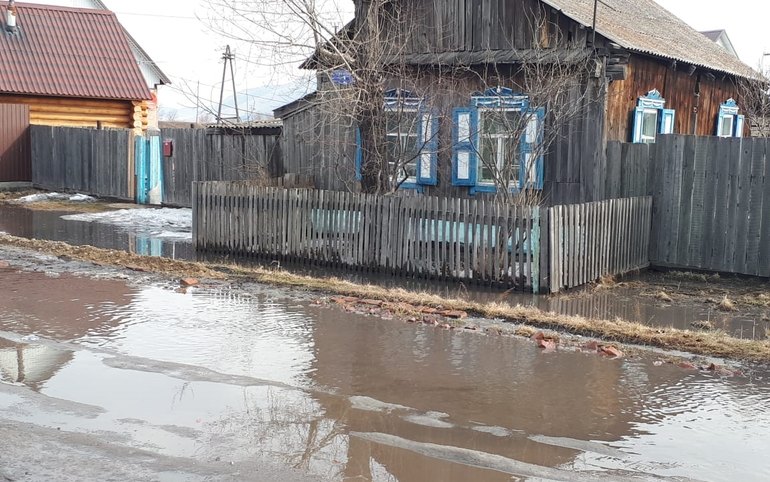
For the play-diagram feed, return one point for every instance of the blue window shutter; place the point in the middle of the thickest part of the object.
(464, 156)
(359, 155)
(720, 120)
(740, 121)
(531, 156)
(427, 162)
(667, 121)
(637, 130)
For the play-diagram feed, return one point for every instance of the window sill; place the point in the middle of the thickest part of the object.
(489, 188)
(411, 185)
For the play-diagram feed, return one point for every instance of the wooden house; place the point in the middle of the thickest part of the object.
(642, 72)
(71, 66)
(154, 77)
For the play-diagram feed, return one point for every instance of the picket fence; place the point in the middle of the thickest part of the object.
(525, 247)
(591, 240)
(431, 237)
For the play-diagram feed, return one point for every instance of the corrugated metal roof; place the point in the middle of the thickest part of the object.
(255, 124)
(68, 52)
(646, 27)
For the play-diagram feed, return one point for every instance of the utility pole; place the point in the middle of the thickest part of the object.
(593, 26)
(228, 59)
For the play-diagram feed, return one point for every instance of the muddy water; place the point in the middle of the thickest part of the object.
(49, 225)
(217, 374)
(620, 303)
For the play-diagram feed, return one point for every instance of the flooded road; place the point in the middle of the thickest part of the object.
(621, 303)
(50, 225)
(226, 376)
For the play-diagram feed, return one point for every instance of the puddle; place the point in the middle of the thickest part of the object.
(215, 374)
(609, 304)
(140, 234)
(136, 237)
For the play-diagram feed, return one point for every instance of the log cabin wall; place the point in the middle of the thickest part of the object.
(74, 112)
(695, 114)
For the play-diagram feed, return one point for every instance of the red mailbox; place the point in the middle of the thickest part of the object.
(168, 147)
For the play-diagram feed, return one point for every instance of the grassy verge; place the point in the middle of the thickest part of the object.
(701, 343)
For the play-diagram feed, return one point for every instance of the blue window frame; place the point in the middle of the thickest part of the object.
(651, 118)
(411, 141)
(497, 136)
(730, 123)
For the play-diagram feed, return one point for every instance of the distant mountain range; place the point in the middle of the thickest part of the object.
(253, 104)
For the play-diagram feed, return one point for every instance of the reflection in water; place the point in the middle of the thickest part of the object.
(49, 225)
(347, 396)
(31, 365)
(63, 307)
(620, 303)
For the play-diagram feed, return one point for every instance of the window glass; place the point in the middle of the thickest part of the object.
(402, 144)
(649, 125)
(727, 126)
(499, 134)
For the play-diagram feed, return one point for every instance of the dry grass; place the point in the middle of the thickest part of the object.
(705, 325)
(726, 304)
(109, 257)
(761, 299)
(690, 276)
(703, 343)
(10, 197)
(606, 281)
(663, 296)
(6, 196)
(78, 207)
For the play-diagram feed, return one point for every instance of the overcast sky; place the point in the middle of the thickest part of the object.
(189, 52)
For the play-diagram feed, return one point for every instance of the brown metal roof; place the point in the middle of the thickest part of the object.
(646, 27)
(68, 52)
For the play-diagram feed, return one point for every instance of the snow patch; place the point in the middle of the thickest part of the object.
(55, 196)
(373, 405)
(165, 223)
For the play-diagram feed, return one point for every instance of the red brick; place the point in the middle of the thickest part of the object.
(456, 314)
(610, 351)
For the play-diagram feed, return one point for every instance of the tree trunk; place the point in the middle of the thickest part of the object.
(374, 166)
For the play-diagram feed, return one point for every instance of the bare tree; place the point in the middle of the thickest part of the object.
(368, 58)
(754, 98)
(168, 114)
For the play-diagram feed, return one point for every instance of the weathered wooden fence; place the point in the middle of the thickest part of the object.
(530, 248)
(590, 240)
(92, 161)
(472, 240)
(712, 204)
(216, 155)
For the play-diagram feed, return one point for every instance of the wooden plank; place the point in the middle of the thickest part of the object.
(735, 156)
(756, 204)
(470, 239)
(527, 268)
(554, 285)
(713, 160)
(764, 251)
(698, 192)
(743, 210)
(722, 192)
